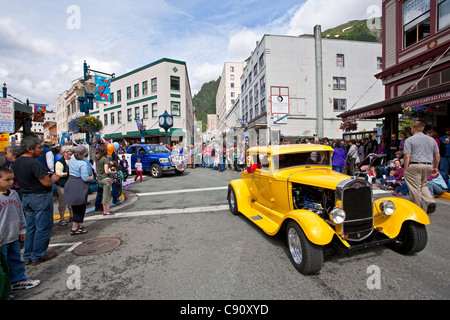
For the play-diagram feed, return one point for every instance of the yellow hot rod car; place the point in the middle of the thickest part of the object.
(293, 188)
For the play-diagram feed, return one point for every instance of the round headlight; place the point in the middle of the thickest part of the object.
(337, 215)
(388, 207)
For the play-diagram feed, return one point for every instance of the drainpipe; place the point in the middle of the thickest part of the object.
(319, 80)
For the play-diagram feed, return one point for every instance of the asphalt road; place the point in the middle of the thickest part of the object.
(178, 243)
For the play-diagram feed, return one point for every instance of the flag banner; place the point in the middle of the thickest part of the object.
(103, 89)
(139, 125)
(39, 113)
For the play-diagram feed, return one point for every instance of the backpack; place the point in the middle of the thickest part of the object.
(5, 283)
(116, 179)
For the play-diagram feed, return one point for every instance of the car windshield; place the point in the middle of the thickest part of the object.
(157, 149)
(306, 158)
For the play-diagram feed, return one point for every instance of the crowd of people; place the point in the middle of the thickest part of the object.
(417, 165)
(33, 173)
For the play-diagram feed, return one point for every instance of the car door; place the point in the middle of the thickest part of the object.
(132, 152)
(263, 181)
(142, 153)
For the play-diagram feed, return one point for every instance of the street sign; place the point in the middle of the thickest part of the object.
(7, 116)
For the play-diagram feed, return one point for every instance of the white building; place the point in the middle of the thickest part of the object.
(285, 66)
(228, 91)
(145, 93)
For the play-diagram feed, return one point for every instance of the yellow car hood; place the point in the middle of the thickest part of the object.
(319, 177)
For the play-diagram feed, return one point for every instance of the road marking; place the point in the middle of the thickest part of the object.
(179, 191)
(158, 212)
(72, 245)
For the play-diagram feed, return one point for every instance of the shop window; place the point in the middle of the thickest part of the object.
(435, 80)
(416, 21)
(445, 76)
(444, 14)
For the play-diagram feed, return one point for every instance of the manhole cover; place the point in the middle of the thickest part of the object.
(97, 246)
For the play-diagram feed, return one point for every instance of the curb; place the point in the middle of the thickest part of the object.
(444, 196)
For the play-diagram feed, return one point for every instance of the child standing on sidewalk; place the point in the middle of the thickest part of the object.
(12, 229)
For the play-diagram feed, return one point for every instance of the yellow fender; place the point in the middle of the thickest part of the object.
(405, 210)
(243, 197)
(315, 228)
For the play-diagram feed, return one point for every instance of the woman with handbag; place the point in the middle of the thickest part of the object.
(76, 188)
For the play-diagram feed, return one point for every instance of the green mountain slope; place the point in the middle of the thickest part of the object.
(205, 101)
(353, 30)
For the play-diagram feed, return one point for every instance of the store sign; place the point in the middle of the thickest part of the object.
(7, 116)
(427, 100)
(365, 114)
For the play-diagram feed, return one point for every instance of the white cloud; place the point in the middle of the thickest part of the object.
(328, 14)
(242, 43)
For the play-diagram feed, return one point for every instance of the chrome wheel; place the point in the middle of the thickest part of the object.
(295, 246)
(306, 256)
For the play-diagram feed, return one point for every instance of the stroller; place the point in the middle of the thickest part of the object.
(372, 159)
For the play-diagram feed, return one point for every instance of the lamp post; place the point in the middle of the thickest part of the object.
(85, 91)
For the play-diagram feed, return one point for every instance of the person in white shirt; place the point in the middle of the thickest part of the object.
(138, 168)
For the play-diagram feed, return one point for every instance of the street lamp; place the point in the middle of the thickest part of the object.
(85, 91)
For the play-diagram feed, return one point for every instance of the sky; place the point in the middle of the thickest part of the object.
(43, 43)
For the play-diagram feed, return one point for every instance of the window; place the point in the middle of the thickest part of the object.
(232, 77)
(379, 62)
(136, 90)
(175, 109)
(119, 116)
(129, 116)
(137, 113)
(261, 61)
(231, 69)
(339, 83)
(444, 14)
(129, 93)
(145, 111)
(112, 97)
(232, 84)
(416, 21)
(154, 85)
(105, 119)
(262, 86)
(175, 83)
(112, 117)
(340, 60)
(119, 96)
(255, 70)
(154, 110)
(339, 104)
(144, 88)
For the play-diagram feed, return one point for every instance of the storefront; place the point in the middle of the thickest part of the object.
(430, 106)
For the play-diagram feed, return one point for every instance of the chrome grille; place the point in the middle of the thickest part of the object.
(357, 204)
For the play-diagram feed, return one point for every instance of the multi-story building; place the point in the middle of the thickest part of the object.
(278, 84)
(144, 94)
(416, 65)
(228, 91)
